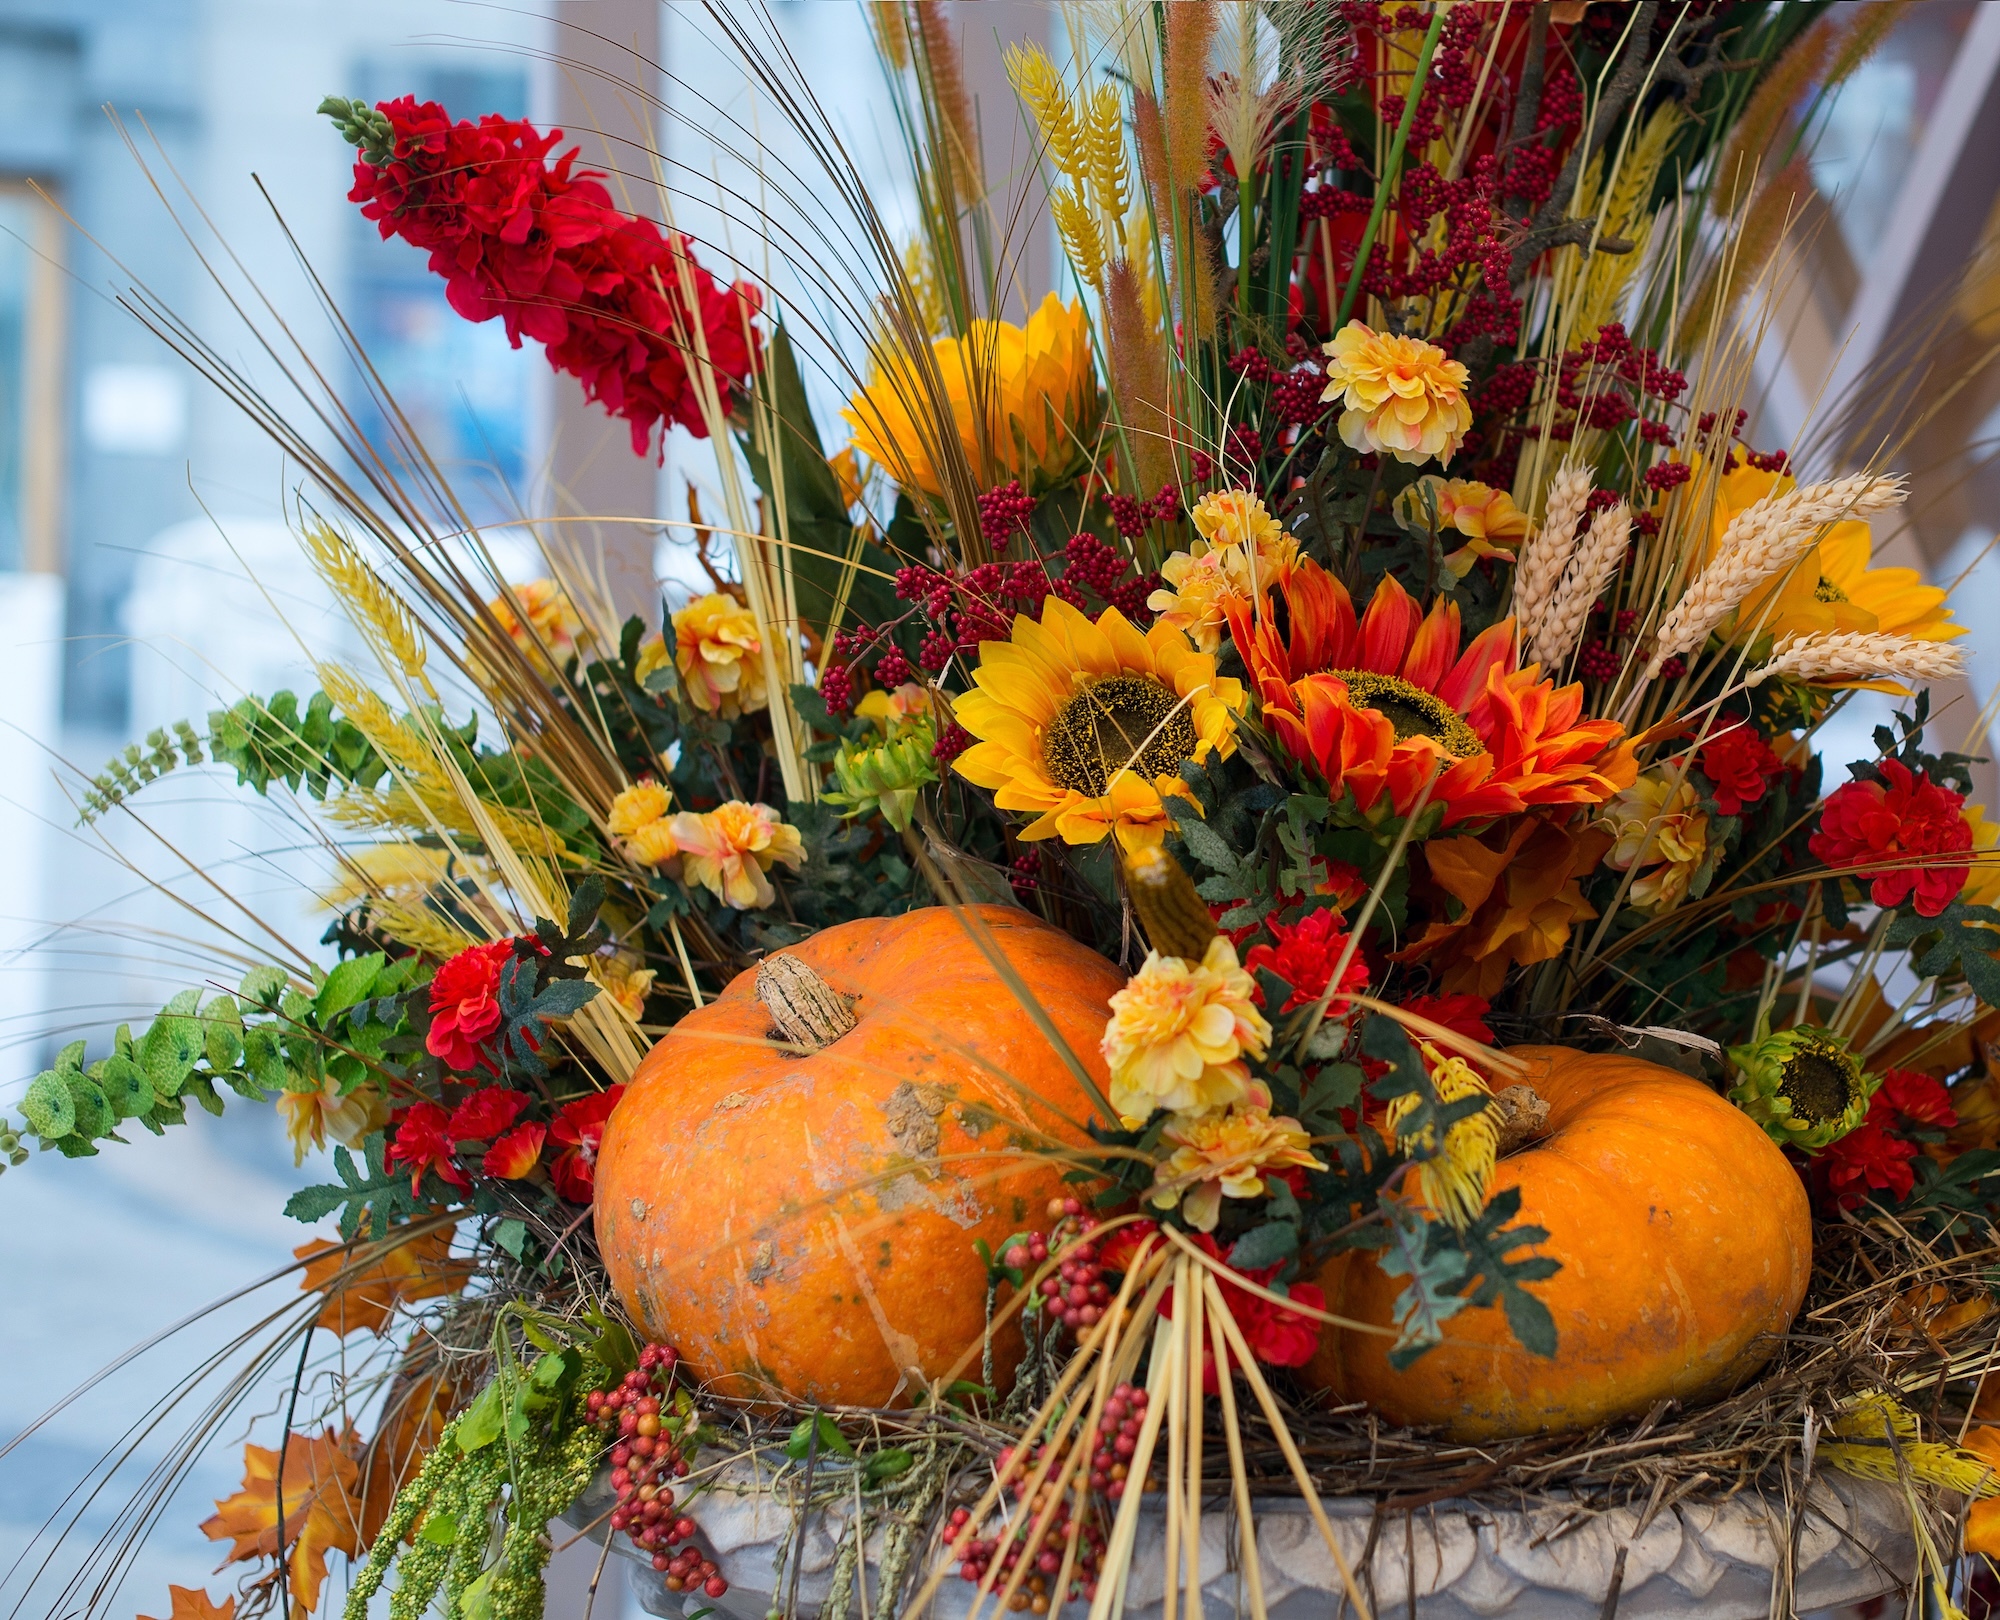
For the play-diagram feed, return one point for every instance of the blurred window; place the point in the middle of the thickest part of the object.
(469, 397)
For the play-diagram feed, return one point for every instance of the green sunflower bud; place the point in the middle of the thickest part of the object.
(886, 777)
(1805, 1086)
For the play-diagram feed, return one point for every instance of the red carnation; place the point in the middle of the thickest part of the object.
(1740, 764)
(1461, 1014)
(1912, 1101)
(1896, 828)
(578, 1129)
(420, 1136)
(465, 1007)
(486, 1114)
(1305, 956)
(618, 303)
(1868, 1159)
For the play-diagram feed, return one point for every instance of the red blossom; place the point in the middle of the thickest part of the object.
(1276, 1334)
(1912, 1101)
(1305, 956)
(516, 1154)
(486, 1114)
(1461, 1014)
(1741, 764)
(578, 1129)
(1868, 1159)
(618, 303)
(1896, 827)
(465, 1007)
(420, 1136)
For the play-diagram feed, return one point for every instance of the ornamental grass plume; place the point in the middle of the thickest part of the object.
(1546, 552)
(1855, 655)
(1763, 541)
(1400, 396)
(1592, 566)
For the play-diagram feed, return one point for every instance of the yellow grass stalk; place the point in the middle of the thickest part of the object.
(419, 927)
(1239, 1479)
(1853, 655)
(892, 32)
(382, 616)
(1539, 572)
(1082, 240)
(1037, 82)
(1110, 174)
(1608, 274)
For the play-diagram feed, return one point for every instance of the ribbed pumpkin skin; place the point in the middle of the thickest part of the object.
(1685, 1241)
(805, 1224)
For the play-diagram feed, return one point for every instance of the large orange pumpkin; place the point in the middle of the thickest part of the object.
(805, 1224)
(1685, 1241)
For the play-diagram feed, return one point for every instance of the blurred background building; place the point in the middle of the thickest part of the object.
(167, 151)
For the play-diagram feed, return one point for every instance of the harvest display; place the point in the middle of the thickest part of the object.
(1236, 895)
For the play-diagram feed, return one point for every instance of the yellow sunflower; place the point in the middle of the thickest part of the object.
(1038, 387)
(1087, 725)
(1833, 589)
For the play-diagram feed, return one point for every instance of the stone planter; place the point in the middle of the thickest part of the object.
(1465, 1560)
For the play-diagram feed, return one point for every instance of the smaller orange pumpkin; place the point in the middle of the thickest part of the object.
(1686, 1244)
(805, 1224)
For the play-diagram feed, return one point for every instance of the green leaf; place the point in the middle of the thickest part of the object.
(886, 1465)
(483, 1420)
(93, 1111)
(223, 1043)
(512, 1235)
(125, 1087)
(167, 1051)
(262, 986)
(47, 1107)
(348, 983)
(439, 1529)
(830, 1439)
(1264, 1246)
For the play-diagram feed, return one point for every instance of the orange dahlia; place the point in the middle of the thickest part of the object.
(1384, 703)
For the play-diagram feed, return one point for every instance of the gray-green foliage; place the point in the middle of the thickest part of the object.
(268, 1037)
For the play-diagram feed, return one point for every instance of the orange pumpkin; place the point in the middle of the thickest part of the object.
(1685, 1241)
(805, 1224)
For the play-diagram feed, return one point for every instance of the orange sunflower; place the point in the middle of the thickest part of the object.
(1381, 704)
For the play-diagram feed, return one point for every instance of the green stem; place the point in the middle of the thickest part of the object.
(1392, 169)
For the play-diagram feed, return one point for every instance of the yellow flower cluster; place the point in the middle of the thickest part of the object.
(1179, 1032)
(727, 850)
(639, 817)
(1453, 1175)
(1662, 834)
(1400, 396)
(1242, 550)
(1227, 1155)
(552, 627)
(720, 656)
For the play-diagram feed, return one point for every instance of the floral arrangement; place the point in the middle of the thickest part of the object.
(1351, 620)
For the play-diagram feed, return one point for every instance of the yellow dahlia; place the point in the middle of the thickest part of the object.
(720, 656)
(639, 817)
(1833, 589)
(1662, 833)
(1492, 524)
(730, 848)
(552, 625)
(1179, 1032)
(1243, 551)
(1400, 396)
(1036, 387)
(1226, 1155)
(1087, 725)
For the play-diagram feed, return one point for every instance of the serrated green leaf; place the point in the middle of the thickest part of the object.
(47, 1107)
(347, 983)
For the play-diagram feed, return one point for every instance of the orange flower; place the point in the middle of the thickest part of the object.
(363, 1285)
(1384, 704)
(321, 1512)
(1982, 1525)
(1400, 395)
(1516, 891)
(1492, 524)
(730, 849)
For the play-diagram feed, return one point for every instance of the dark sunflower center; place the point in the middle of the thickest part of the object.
(1411, 710)
(1119, 721)
(1819, 1084)
(1827, 591)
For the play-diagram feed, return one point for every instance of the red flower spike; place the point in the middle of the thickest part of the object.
(619, 304)
(1895, 829)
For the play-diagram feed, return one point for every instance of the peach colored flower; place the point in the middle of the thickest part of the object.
(1662, 831)
(1226, 1155)
(720, 656)
(654, 655)
(1242, 551)
(730, 848)
(1236, 517)
(1179, 1032)
(639, 816)
(1492, 524)
(893, 711)
(625, 981)
(310, 1117)
(553, 626)
(1400, 396)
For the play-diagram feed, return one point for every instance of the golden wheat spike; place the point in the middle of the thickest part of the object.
(381, 615)
(1081, 237)
(1036, 82)
(1104, 134)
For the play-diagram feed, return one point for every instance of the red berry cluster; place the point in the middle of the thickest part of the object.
(836, 686)
(1117, 1439)
(1077, 1294)
(1004, 513)
(645, 1457)
(1131, 516)
(951, 742)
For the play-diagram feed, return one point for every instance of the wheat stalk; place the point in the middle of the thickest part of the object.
(378, 612)
(1104, 136)
(1853, 653)
(1539, 572)
(1592, 566)
(1763, 540)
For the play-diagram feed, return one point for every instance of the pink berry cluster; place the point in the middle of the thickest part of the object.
(1077, 1294)
(645, 1456)
(1117, 1438)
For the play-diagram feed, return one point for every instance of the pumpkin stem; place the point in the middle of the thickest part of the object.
(1523, 1117)
(808, 1011)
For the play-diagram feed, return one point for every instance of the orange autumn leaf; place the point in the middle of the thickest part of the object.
(193, 1603)
(1982, 1524)
(321, 1512)
(363, 1285)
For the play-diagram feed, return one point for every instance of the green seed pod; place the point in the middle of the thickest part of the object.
(1805, 1086)
(886, 777)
